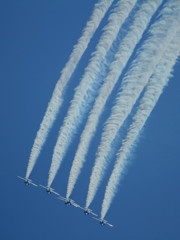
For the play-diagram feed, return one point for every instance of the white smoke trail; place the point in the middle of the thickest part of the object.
(153, 91)
(140, 23)
(132, 85)
(88, 85)
(57, 98)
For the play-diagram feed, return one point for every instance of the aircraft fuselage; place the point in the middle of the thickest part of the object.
(86, 212)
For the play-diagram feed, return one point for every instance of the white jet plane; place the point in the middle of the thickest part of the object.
(49, 190)
(68, 201)
(103, 222)
(27, 181)
(88, 211)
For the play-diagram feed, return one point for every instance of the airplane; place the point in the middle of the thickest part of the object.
(88, 211)
(68, 201)
(27, 181)
(49, 190)
(103, 222)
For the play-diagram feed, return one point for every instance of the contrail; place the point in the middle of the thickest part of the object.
(133, 83)
(89, 84)
(57, 98)
(140, 23)
(153, 91)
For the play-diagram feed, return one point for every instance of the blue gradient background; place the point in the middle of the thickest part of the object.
(36, 40)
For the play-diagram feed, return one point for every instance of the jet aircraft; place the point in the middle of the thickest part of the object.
(88, 211)
(103, 222)
(27, 181)
(49, 190)
(68, 201)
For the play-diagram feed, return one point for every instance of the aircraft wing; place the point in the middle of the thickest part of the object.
(33, 184)
(91, 212)
(45, 187)
(109, 224)
(55, 193)
(24, 179)
(61, 198)
(21, 178)
(75, 204)
(106, 222)
(80, 207)
(94, 214)
(42, 186)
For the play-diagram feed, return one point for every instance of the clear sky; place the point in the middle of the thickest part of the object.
(37, 37)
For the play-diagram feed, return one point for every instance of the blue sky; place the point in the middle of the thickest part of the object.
(36, 40)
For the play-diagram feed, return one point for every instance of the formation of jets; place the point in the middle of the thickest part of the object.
(67, 201)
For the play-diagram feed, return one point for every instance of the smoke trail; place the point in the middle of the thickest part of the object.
(140, 23)
(57, 98)
(143, 66)
(153, 91)
(88, 85)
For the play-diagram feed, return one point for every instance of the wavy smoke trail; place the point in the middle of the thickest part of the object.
(154, 89)
(139, 24)
(57, 98)
(133, 83)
